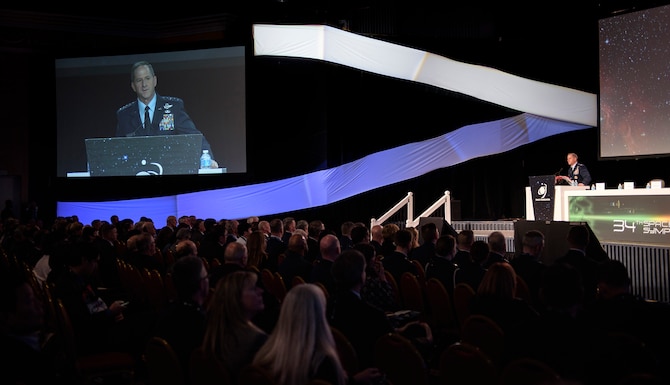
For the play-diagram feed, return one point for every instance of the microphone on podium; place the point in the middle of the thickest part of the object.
(559, 172)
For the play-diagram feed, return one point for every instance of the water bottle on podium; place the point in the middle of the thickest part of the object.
(205, 159)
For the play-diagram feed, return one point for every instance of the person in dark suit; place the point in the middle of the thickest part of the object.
(497, 249)
(167, 233)
(441, 264)
(527, 264)
(166, 113)
(275, 244)
(576, 256)
(426, 251)
(398, 262)
(330, 249)
(294, 262)
(359, 321)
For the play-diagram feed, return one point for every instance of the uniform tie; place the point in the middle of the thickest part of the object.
(147, 119)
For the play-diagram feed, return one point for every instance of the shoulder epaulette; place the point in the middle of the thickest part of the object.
(126, 106)
(172, 98)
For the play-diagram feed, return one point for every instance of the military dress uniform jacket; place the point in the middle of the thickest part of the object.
(169, 118)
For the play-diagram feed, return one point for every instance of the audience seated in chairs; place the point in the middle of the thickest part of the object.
(100, 326)
(25, 343)
(361, 322)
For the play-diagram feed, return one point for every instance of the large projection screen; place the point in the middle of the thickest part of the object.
(211, 83)
(634, 102)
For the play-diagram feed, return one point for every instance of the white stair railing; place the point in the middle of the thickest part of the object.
(408, 201)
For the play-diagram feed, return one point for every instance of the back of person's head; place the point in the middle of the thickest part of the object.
(253, 219)
(301, 338)
(185, 247)
(376, 233)
(346, 226)
(370, 253)
(445, 245)
(303, 225)
(235, 252)
(231, 226)
(108, 230)
(288, 223)
(403, 238)
(297, 243)
(415, 236)
(359, 234)
(88, 233)
(348, 268)
(479, 251)
(315, 228)
(561, 286)
(578, 237)
(256, 248)
(613, 279)
(183, 233)
(187, 275)
(499, 281)
(329, 247)
(209, 224)
(497, 242)
(429, 232)
(243, 228)
(277, 226)
(264, 226)
(80, 252)
(465, 239)
(145, 244)
(301, 232)
(388, 231)
(256, 241)
(533, 242)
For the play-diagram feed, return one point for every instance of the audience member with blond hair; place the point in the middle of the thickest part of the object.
(301, 348)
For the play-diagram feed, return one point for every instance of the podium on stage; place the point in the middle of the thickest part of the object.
(545, 199)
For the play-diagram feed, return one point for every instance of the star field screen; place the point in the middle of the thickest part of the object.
(634, 103)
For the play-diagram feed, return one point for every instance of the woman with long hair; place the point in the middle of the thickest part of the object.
(230, 335)
(301, 346)
(257, 250)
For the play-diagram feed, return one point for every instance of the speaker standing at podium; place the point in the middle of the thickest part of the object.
(153, 114)
(577, 172)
